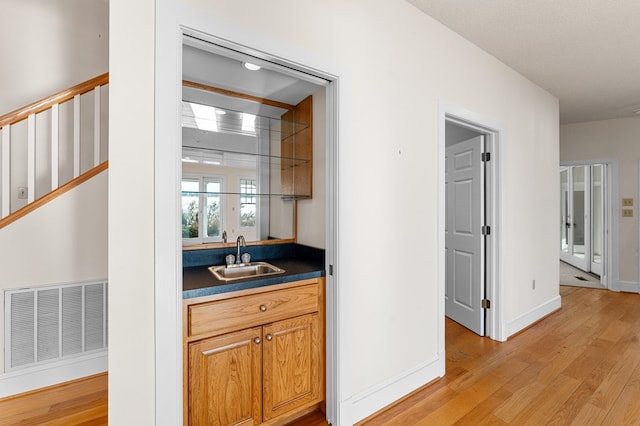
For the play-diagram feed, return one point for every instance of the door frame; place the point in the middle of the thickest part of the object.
(168, 297)
(494, 139)
(610, 277)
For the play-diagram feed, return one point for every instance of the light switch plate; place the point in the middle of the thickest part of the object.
(627, 202)
(627, 213)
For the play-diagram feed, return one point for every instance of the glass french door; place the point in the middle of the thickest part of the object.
(582, 200)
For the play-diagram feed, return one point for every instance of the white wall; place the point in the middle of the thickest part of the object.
(395, 66)
(63, 241)
(50, 46)
(132, 237)
(620, 140)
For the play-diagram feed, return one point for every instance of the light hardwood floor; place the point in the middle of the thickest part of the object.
(579, 366)
(82, 402)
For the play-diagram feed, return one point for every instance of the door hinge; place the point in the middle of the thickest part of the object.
(486, 304)
(486, 230)
(330, 270)
(486, 156)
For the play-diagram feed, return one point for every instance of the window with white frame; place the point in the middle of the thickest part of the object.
(201, 199)
(248, 203)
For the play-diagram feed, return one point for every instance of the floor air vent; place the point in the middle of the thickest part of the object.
(53, 323)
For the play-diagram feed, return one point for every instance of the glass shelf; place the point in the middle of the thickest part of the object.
(230, 158)
(223, 120)
(223, 147)
(223, 193)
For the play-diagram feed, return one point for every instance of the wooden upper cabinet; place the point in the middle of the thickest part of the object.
(225, 379)
(297, 150)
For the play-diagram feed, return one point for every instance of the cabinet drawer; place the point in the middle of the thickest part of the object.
(227, 315)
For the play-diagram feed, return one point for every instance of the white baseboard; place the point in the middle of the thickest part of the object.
(535, 314)
(379, 396)
(628, 286)
(29, 379)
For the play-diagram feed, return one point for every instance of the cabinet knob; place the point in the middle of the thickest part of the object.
(269, 337)
(257, 340)
(263, 308)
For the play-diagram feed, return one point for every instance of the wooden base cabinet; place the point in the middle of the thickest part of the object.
(264, 373)
(225, 380)
(291, 365)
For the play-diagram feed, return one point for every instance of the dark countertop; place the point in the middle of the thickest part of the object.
(198, 281)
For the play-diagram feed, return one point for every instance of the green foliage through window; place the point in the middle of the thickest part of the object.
(201, 198)
(190, 220)
(247, 203)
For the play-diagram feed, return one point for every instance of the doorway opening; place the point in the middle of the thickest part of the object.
(586, 217)
(214, 80)
(469, 222)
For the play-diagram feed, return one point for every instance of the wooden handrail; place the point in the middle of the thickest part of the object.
(53, 194)
(46, 103)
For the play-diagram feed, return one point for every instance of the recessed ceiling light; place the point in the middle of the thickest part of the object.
(251, 67)
(220, 112)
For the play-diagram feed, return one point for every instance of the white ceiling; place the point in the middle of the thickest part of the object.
(202, 64)
(585, 52)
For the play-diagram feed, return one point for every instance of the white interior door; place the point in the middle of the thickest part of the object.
(464, 242)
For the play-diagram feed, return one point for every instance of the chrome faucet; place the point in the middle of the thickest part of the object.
(240, 242)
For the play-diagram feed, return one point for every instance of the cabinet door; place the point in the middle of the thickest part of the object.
(292, 376)
(225, 379)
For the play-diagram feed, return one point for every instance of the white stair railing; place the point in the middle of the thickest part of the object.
(12, 194)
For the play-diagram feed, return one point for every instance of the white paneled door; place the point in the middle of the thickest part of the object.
(464, 241)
